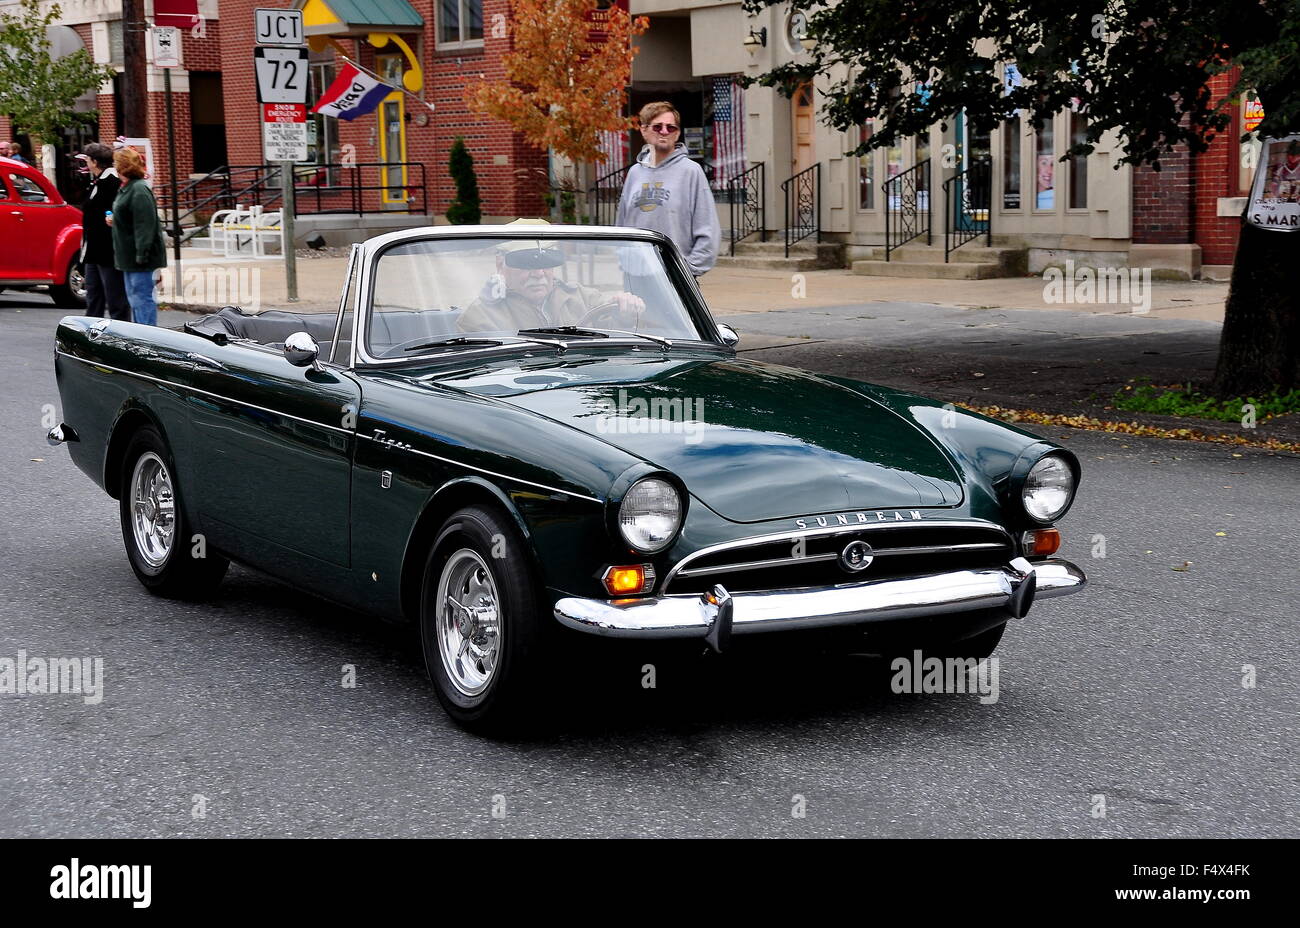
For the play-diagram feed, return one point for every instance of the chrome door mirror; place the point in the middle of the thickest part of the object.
(301, 350)
(729, 336)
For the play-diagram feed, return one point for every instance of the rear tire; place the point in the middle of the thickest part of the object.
(71, 294)
(482, 623)
(166, 559)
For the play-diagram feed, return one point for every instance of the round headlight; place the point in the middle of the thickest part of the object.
(1048, 489)
(650, 514)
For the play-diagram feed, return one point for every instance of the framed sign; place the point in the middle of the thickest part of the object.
(1275, 195)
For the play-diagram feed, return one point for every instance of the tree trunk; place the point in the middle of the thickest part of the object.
(134, 99)
(1259, 350)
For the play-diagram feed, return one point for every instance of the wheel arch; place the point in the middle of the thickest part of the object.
(129, 420)
(450, 497)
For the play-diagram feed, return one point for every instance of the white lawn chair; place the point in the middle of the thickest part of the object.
(217, 230)
(266, 230)
(238, 228)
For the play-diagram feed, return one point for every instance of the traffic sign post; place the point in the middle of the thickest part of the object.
(166, 42)
(280, 64)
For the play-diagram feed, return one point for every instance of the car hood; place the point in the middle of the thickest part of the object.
(751, 441)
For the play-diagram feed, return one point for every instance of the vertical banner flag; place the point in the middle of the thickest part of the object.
(353, 93)
(728, 130)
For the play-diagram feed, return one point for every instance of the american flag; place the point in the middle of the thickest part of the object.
(613, 142)
(728, 130)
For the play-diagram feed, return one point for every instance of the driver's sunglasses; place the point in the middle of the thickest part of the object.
(665, 128)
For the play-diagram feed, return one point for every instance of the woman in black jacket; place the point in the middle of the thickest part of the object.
(105, 288)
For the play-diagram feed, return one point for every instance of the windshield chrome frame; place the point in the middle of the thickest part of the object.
(369, 252)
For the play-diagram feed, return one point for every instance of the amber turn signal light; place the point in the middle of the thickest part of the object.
(1041, 542)
(623, 581)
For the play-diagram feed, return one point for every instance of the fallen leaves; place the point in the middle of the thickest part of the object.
(1131, 428)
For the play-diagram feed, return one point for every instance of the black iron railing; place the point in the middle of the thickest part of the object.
(907, 206)
(318, 188)
(603, 196)
(746, 191)
(803, 197)
(967, 198)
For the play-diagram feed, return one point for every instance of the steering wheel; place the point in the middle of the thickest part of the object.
(594, 317)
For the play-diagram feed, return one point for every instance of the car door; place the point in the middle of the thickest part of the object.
(276, 444)
(40, 215)
(11, 224)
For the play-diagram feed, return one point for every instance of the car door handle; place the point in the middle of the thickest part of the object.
(16, 212)
(205, 360)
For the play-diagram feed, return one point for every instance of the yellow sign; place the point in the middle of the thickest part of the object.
(1252, 115)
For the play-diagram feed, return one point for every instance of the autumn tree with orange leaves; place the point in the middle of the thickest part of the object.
(566, 75)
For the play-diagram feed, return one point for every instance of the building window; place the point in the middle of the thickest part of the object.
(322, 131)
(115, 42)
(1078, 163)
(1011, 131)
(1045, 166)
(460, 22)
(866, 173)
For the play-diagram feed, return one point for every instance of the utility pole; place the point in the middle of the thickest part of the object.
(134, 98)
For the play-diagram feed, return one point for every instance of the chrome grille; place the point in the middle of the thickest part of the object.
(801, 559)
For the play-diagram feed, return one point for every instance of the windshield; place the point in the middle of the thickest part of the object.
(468, 291)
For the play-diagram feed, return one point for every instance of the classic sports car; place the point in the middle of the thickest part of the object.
(515, 435)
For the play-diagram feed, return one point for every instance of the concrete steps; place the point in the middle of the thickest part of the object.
(972, 262)
(770, 255)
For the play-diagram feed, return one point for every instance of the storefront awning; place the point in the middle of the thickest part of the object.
(359, 17)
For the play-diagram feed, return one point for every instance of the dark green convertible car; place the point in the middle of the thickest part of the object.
(515, 435)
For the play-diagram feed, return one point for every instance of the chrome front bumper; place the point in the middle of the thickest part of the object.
(717, 614)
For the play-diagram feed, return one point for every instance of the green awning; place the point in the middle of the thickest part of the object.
(358, 17)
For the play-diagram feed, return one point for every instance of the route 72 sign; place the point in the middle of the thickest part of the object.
(281, 74)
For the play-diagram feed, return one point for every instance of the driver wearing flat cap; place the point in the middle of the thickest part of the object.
(524, 294)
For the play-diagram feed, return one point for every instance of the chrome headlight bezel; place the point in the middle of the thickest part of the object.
(1053, 467)
(675, 513)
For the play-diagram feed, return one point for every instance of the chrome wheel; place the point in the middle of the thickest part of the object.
(153, 510)
(77, 281)
(468, 620)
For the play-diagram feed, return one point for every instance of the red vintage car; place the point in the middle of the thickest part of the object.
(41, 235)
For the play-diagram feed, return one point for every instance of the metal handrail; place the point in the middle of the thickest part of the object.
(962, 217)
(604, 208)
(803, 191)
(752, 185)
(907, 188)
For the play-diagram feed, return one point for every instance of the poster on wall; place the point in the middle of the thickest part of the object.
(1275, 195)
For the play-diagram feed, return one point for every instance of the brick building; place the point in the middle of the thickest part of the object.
(1178, 220)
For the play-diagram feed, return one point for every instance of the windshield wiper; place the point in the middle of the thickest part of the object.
(462, 340)
(597, 333)
(457, 340)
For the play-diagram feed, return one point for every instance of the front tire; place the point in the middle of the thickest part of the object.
(481, 623)
(166, 559)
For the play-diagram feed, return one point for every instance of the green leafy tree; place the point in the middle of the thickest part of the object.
(38, 91)
(1140, 67)
(465, 209)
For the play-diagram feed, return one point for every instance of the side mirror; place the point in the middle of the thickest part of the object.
(301, 350)
(729, 336)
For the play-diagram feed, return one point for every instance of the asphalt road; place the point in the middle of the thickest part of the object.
(1131, 691)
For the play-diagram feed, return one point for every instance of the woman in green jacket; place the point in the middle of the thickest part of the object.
(138, 248)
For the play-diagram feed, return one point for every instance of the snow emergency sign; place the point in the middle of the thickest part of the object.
(284, 131)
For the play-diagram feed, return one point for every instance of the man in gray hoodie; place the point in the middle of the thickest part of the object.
(667, 192)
